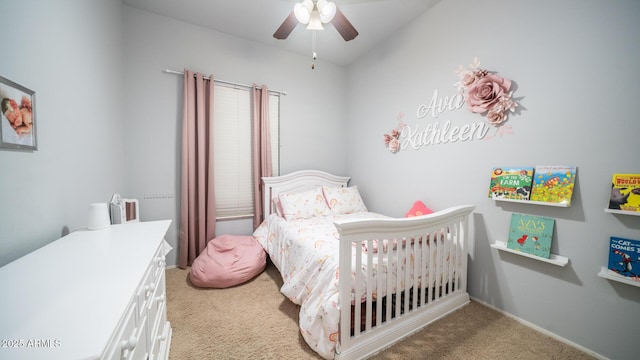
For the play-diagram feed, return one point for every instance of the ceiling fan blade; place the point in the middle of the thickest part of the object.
(287, 27)
(343, 26)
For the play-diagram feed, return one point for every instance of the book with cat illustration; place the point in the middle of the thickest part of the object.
(624, 257)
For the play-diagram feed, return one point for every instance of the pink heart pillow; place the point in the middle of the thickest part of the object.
(418, 208)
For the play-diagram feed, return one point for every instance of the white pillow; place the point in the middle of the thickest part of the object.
(344, 200)
(304, 205)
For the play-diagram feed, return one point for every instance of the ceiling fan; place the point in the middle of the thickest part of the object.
(314, 13)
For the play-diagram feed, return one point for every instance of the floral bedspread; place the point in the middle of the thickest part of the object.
(305, 251)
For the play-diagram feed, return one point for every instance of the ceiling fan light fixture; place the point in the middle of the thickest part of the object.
(302, 13)
(314, 21)
(327, 10)
(314, 13)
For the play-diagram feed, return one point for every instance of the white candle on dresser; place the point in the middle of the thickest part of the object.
(98, 216)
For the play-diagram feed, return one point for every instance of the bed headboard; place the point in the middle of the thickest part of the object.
(296, 182)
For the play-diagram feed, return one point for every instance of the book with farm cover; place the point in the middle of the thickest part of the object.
(625, 192)
(511, 183)
(624, 257)
(553, 184)
(531, 234)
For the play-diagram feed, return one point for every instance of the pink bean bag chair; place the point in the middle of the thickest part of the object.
(227, 261)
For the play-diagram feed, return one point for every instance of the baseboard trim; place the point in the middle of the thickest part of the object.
(541, 330)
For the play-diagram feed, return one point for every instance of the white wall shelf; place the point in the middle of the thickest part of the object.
(623, 212)
(553, 259)
(533, 202)
(608, 274)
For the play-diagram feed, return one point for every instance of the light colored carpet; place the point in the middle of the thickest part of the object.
(255, 321)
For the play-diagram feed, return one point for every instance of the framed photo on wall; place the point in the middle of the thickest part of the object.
(18, 128)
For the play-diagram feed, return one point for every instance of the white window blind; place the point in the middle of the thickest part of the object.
(233, 149)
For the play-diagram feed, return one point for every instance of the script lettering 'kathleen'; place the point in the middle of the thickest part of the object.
(435, 134)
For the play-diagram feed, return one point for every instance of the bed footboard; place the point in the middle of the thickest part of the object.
(405, 274)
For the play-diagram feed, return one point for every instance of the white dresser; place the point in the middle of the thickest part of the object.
(88, 295)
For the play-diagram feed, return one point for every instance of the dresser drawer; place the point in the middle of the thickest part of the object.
(145, 291)
(124, 333)
(157, 303)
(159, 328)
(158, 263)
(135, 348)
(159, 334)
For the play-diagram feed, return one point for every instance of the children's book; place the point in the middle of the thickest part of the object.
(531, 234)
(624, 257)
(553, 184)
(625, 192)
(511, 183)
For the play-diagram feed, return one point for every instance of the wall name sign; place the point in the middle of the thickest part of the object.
(484, 93)
(440, 133)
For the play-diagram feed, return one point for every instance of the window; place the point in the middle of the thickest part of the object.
(233, 153)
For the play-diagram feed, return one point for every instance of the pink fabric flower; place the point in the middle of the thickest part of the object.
(506, 103)
(486, 92)
(394, 135)
(391, 140)
(496, 116)
(467, 79)
(394, 145)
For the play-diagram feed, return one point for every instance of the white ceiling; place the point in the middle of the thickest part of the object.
(257, 20)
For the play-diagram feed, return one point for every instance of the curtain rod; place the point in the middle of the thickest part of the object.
(228, 82)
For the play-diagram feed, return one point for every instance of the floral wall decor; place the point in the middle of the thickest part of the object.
(486, 93)
(483, 92)
(391, 140)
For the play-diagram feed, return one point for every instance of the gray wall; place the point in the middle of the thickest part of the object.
(108, 117)
(312, 135)
(107, 125)
(575, 67)
(71, 54)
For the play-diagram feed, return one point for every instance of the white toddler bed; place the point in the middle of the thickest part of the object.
(412, 271)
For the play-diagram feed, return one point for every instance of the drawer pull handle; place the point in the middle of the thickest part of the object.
(148, 290)
(160, 261)
(129, 344)
(160, 298)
